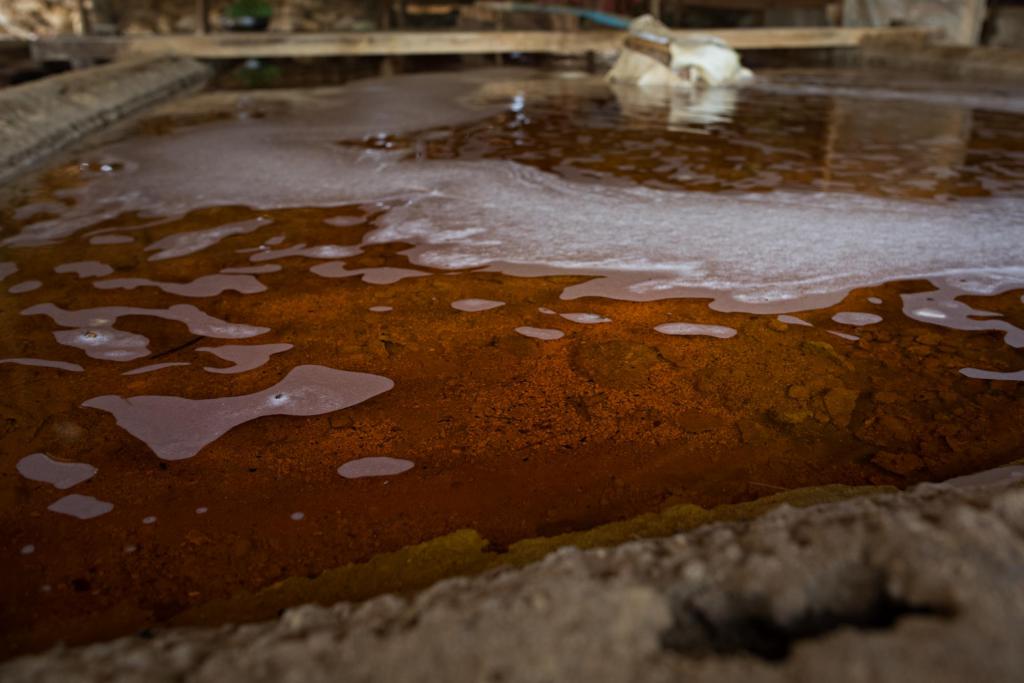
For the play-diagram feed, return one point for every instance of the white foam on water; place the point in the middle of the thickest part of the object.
(975, 373)
(475, 305)
(149, 520)
(586, 318)
(297, 516)
(941, 306)
(374, 467)
(28, 549)
(381, 309)
(24, 286)
(843, 335)
(855, 319)
(762, 252)
(371, 276)
(96, 335)
(82, 507)
(322, 251)
(545, 333)
(245, 357)
(185, 243)
(345, 221)
(63, 475)
(875, 300)
(7, 268)
(203, 286)
(105, 343)
(85, 269)
(44, 363)
(176, 428)
(793, 320)
(695, 329)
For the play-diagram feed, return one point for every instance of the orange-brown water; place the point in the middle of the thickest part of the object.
(511, 419)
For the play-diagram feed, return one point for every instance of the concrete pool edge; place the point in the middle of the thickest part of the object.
(918, 584)
(42, 117)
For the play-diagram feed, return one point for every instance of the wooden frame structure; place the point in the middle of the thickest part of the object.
(397, 43)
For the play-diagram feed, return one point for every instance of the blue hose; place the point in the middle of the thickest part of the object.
(592, 15)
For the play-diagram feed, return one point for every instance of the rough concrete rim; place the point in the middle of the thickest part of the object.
(39, 118)
(924, 585)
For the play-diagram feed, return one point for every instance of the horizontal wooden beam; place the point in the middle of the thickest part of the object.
(387, 43)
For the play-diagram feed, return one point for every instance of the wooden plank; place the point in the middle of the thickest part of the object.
(394, 43)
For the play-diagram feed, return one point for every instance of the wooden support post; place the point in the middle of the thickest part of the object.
(83, 16)
(972, 16)
(202, 16)
(655, 9)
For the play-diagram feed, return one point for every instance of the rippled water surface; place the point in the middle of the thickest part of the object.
(253, 337)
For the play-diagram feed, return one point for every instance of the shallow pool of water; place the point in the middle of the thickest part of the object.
(257, 336)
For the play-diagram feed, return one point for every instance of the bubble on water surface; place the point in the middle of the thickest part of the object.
(695, 329)
(381, 309)
(874, 300)
(374, 467)
(844, 335)
(298, 516)
(7, 268)
(547, 311)
(856, 319)
(63, 475)
(475, 305)
(82, 507)
(201, 510)
(85, 269)
(149, 520)
(545, 333)
(176, 428)
(28, 549)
